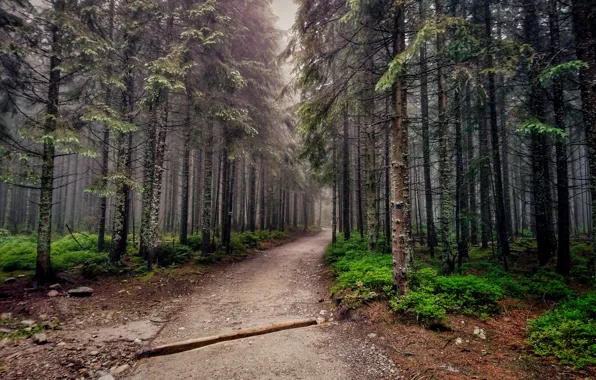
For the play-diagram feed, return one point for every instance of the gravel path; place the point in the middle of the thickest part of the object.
(279, 285)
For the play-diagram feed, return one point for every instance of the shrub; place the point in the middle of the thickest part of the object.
(568, 332)
(432, 296)
(195, 242)
(468, 294)
(548, 285)
(372, 272)
(356, 268)
(168, 254)
(425, 306)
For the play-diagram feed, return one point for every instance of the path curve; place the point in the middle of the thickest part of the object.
(279, 285)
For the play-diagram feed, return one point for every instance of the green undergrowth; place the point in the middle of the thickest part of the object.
(360, 274)
(18, 253)
(567, 332)
(240, 241)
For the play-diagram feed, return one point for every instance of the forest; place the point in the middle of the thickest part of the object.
(448, 146)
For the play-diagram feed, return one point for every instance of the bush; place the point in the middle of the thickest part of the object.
(168, 254)
(358, 269)
(568, 332)
(432, 296)
(548, 285)
(195, 242)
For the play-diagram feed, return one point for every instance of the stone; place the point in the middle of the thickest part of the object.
(5, 316)
(53, 293)
(40, 338)
(94, 353)
(321, 300)
(56, 287)
(83, 291)
(480, 333)
(107, 377)
(459, 341)
(372, 336)
(21, 276)
(28, 322)
(10, 280)
(320, 320)
(323, 312)
(119, 370)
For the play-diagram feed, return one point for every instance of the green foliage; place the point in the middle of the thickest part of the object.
(430, 30)
(536, 126)
(168, 254)
(568, 332)
(432, 296)
(240, 241)
(548, 285)
(19, 252)
(361, 275)
(561, 70)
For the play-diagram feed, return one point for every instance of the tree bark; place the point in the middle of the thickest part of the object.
(43, 265)
(496, 149)
(346, 180)
(431, 237)
(400, 205)
(206, 228)
(584, 26)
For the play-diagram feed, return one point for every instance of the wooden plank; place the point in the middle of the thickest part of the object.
(174, 348)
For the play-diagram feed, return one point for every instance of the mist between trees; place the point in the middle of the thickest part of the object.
(141, 121)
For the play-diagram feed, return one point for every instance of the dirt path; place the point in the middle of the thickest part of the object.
(282, 284)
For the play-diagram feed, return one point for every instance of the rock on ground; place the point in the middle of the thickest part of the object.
(83, 291)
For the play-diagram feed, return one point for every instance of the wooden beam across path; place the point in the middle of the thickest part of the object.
(174, 348)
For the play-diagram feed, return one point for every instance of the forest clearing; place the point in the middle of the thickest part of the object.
(297, 189)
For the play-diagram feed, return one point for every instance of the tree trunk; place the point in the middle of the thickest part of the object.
(444, 164)
(584, 22)
(539, 146)
(160, 151)
(206, 232)
(185, 177)
(400, 205)
(495, 134)
(431, 237)
(43, 265)
(346, 180)
(105, 151)
(359, 181)
(563, 205)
